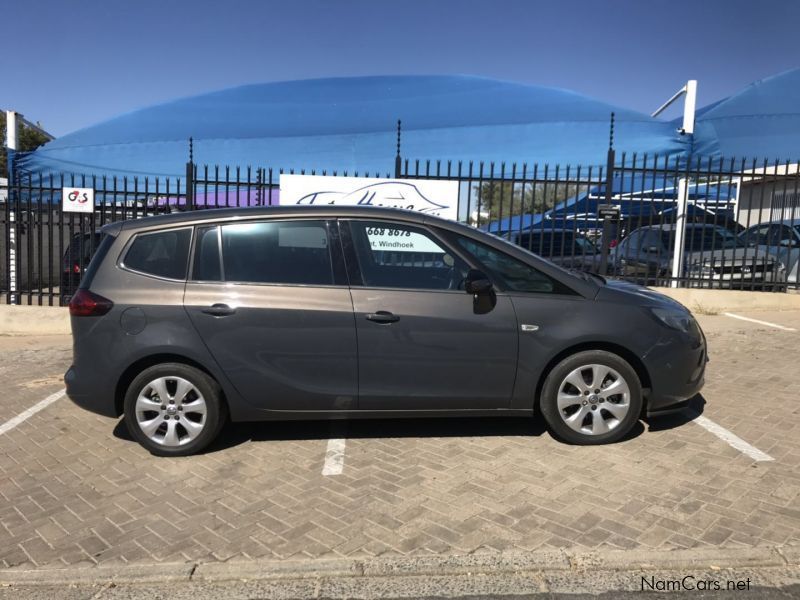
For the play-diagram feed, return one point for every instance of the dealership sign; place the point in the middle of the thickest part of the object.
(437, 198)
(79, 200)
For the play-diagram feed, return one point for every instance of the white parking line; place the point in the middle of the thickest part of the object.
(775, 325)
(334, 457)
(732, 439)
(10, 424)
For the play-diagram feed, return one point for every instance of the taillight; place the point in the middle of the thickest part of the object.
(76, 268)
(88, 304)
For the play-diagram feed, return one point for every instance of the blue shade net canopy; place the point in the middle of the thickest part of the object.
(349, 124)
(761, 122)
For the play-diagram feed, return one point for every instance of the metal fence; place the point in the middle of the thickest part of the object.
(730, 224)
(45, 250)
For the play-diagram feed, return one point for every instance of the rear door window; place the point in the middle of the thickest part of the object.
(161, 253)
(278, 252)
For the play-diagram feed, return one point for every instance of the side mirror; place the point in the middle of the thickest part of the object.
(477, 283)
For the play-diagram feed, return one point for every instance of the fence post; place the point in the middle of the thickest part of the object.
(398, 161)
(190, 178)
(606, 239)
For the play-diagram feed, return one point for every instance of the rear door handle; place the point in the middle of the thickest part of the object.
(383, 316)
(219, 310)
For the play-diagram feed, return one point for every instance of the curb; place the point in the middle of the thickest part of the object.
(482, 563)
(34, 320)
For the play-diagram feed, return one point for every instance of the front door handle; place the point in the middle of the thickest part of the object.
(383, 316)
(219, 310)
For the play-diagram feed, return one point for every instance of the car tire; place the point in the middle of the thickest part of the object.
(183, 422)
(591, 397)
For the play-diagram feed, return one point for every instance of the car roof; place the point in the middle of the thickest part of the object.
(270, 212)
(789, 222)
(536, 231)
(671, 226)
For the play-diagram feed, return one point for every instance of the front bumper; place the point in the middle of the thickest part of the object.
(677, 366)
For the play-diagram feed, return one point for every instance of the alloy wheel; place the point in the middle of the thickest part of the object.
(170, 411)
(593, 399)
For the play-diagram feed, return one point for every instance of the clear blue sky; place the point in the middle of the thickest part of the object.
(73, 63)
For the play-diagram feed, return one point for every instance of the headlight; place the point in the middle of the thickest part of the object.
(673, 318)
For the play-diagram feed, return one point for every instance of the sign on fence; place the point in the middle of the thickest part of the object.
(608, 211)
(78, 200)
(433, 197)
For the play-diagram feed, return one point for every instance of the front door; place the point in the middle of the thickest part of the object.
(270, 304)
(422, 342)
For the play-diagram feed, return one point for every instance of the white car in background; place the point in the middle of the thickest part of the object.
(780, 239)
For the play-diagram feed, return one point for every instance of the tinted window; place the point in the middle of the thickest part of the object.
(558, 243)
(163, 254)
(207, 265)
(785, 235)
(289, 252)
(651, 242)
(514, 274)
(106, 241)
(755, 235)
(630, 245)
(701, 239)
(403, 256)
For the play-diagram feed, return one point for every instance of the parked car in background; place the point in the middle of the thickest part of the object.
(713, 257)
(780, 239)
(184, 321)
(75, 260)
(565, 247)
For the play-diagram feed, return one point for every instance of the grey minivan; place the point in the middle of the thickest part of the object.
(184, 321)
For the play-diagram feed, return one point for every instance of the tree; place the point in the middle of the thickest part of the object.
(504, 199)
(27, 140)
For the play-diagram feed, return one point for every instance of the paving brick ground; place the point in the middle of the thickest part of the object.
(75, 490)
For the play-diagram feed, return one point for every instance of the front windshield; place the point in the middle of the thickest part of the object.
(702, 239)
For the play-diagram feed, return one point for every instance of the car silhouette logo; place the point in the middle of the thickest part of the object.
(389, 194)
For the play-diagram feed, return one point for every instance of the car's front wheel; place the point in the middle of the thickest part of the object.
(591, 397)
(173, 409)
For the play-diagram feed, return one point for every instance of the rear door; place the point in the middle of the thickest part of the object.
(422, 344)
(271, 302)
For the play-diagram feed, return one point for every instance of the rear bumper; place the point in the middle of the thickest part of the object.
(90, 394)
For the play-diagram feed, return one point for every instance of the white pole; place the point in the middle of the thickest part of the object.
(680, 228)
(11, 144)
(689, 105)
(11, 130)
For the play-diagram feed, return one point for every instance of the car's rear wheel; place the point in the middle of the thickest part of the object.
(173, 409)
(591, 397)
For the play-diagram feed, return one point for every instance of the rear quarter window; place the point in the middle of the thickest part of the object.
(161, 253)
(104, 245)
